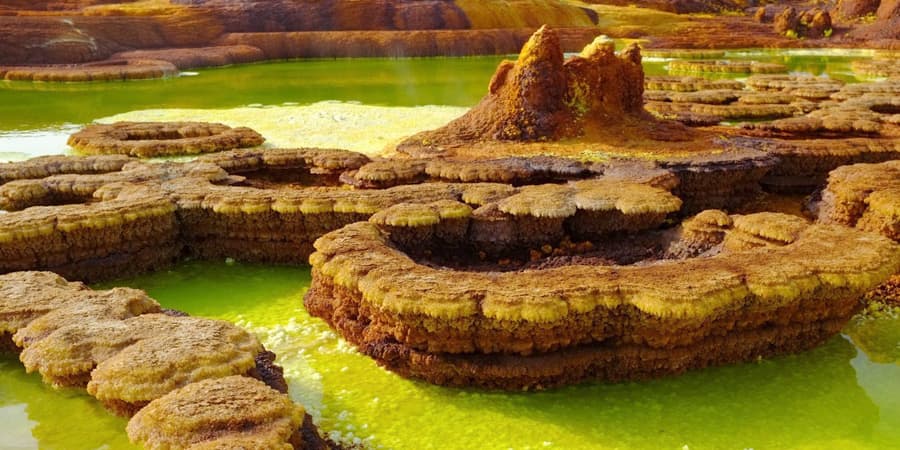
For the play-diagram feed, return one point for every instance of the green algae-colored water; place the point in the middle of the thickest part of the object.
(395, 82)
(845, 394)
(836, 396)
(36, 118)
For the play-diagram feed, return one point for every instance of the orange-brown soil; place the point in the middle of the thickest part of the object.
(73, 32)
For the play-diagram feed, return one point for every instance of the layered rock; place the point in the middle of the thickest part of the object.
(865, 196)
(586, 319)
(590, 104)
(190, 58)
(151, 139)
(82, 31)
(230, 412)
(96, 226)
(130, 356)
(726, 66)
(110, 70)
(355, 15)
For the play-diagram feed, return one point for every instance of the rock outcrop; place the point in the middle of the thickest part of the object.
(579, 318)
(153, 139)
(193, 380)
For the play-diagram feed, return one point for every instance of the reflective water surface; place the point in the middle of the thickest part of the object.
(845, 394)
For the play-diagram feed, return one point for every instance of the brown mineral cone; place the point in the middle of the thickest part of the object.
(531, 89)
(231, 412)
(563, 324)
(760, 15)
(150, 139)
(539, 98)
(819, 24)
(599, 113)
(851, 9)
(787, 21)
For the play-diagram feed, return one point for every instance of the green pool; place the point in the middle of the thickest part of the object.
(843, 395)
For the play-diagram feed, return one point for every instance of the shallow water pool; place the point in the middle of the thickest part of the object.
(836, 396)
(36, 118)
(843, 395)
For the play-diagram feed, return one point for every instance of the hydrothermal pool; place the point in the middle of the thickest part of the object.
(837, 396)
(833, 397)
(36, 118)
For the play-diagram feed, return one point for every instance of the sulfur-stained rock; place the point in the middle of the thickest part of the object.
(302, 166)
(762, 230)
(708, 96)
(680, 53)
(787, 83)
(700, 234)
(110, 70)
(865, 196)
(766, 98)
(129, 352)
(193, 58)
(45, 166)
(688, 84)
(868, 114)
(231, 412)
(725, 66)
(696, 113)
(538, 328)
(805, 163)
(518, 171)
(84, 307)
(590, 105)
(876, 68)
(26, 296)
(68, 355)
(80, 179)
(887, 87)
(149, 139)
(176, 352)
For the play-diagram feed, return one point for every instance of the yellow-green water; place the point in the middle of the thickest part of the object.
(36, 118)
(845, 394)
(835, 396)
